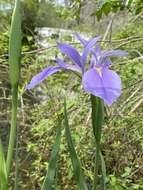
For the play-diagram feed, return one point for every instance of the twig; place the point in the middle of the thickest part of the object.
(108, 28)
(127, 42)
(128, 99)
(127, 62)
(137, 105)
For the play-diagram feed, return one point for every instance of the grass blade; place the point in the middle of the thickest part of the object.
(75, 161)
(3, 172)
(14, 61)
(50, 177)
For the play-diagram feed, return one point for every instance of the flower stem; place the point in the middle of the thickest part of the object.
(13, 128)
(96, 167)
(97, 121)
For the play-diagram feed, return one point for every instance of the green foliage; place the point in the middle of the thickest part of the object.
(47, 15)
(15, 45)
(14, 61)
(3, 171)
(97, 124)
(109, 6)
(50, 177)
(29, 20)
(121, 143)
(74, 158)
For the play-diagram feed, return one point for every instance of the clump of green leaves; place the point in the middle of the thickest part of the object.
(108, 6)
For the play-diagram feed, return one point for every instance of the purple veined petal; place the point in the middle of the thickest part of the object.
(105, 63)
(71, 52)
(82, 41)
(61, 63)
(112, 53)
(98, 50)
(108, 87)
(85, 42)
(92, 61)
(88, 48)
(41, 76)
(65, 66)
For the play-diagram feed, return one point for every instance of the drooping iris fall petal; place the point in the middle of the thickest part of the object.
(106, 85)
(82, 41)
(41, 76)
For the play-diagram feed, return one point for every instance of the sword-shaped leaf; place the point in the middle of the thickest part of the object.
(3, 172)
(14, 61)
(74, 158)
(50, 177)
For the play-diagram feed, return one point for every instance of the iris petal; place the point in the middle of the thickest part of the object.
(71, 52)
(41, 76)
(82, 41)
(104, 56)
(98, 50)
(88, 48)
(118, 53)
(63, 65)
(107, 87)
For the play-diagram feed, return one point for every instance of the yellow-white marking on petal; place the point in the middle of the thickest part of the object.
(99, 70)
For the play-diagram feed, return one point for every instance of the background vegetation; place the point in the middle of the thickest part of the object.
(40, 110)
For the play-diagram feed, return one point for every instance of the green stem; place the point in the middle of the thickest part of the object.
(13, 128)
(16, 163)
(96, 167)
(97, 121)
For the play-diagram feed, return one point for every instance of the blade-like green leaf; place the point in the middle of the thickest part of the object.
(14, 61)
(15, 44)
(129, 2)
(16, 165)
(50, 177)
(75, 161)
(3, 172)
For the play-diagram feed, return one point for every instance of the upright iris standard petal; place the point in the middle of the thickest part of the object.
(98, 50)
(71, 52)
(63, 65)
(41, 76)
(107, 86)
(88, 48)
(82, 41)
